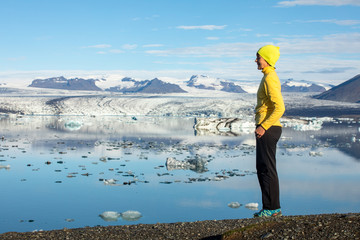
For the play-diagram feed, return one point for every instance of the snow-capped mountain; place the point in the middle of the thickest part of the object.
(210, 83)
(125, 85)
(303, 86)
(68, 84)
(196, 84)
(129, 85)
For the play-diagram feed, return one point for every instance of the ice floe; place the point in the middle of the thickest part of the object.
(315, 154)
(111, 181)
(234, 205)
(252, 206)
(110, 216)
(223, 126)
(73, 125)
(7, 167)
(313, 124)
(131, 215)
(197, 164)
(113, 216)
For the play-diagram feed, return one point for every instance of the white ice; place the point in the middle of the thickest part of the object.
(131, 215)
(252, 206)
(110, 216)
(234, 205)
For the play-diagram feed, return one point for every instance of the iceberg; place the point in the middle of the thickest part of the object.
(7, 167)
(315, 154)
(110, 216)
(234, 205)
(223, 126)
(111, 182)
(197, 164)
(73, 125)
(131, 215)
(312, 124)
(252, 206)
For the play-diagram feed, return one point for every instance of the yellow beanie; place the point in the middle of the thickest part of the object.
(270, 53)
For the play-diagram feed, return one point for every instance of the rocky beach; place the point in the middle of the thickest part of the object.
(323, 226)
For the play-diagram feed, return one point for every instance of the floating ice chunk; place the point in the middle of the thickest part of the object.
(131, 215)
(234, 205)
(221, 126)
(252, 206)
(315, 154)
(217, 178)
(110, 181)
(312, 124)
(173, 164)
(110, 216)
(7, 167)
(197, 164)
(73, 125)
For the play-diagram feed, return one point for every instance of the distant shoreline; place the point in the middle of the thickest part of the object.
(322, 226)
(324, 111)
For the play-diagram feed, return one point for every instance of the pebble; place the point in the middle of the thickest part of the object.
(285, 227)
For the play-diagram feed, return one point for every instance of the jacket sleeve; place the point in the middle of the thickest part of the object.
(277, 109)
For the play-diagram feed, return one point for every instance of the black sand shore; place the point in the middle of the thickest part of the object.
(324, 226)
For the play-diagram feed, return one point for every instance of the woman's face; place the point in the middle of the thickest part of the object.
(261, 62)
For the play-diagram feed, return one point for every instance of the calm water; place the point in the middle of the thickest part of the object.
(53, 171)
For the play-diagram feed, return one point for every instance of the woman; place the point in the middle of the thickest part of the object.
(270, 107)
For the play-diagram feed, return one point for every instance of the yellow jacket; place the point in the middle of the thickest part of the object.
(270, 104)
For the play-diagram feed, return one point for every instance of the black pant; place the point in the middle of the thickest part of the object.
(266, 167)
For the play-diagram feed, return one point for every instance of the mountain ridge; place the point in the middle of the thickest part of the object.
(348, 91)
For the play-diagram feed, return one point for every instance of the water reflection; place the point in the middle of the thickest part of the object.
(58, 172)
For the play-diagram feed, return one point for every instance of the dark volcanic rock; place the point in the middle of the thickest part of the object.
(348, 91)
(158, 86)
(231, 87)
(68, 84)
(147, 86)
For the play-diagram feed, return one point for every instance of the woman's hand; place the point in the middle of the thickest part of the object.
(259, 132)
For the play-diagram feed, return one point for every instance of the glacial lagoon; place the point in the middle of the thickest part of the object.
(70, 172)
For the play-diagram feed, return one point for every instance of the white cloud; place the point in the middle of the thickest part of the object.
(202, 27)
(101, 52)
(152, 45)
(99, 46)
(116, 51)
(245, 29)
(129, 46)
(319, 2)
(262, 35)
(216, 50)
(145, 18)
(213, 38)
(337, 22)
(335, 43)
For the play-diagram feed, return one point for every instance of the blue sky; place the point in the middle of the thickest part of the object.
(319, 39)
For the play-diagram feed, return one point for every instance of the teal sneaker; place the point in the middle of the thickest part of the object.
(268, 213)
